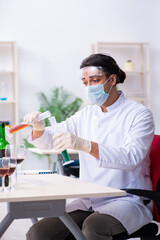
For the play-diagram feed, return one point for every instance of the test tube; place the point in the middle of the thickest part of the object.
(64, 153)
(18, 127)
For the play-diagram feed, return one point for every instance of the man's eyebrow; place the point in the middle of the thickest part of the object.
(90, 77)
(94, 76)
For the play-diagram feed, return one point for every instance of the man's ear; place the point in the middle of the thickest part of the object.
(113, 79)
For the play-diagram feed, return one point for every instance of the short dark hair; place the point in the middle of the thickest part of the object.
(107, 63)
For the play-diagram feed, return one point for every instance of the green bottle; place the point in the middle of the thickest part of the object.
(3, 143)
(65, 156)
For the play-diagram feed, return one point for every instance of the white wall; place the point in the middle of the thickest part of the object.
(54, 36)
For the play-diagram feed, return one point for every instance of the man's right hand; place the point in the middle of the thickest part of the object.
(31, 118)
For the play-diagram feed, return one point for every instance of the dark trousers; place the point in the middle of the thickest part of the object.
(94, 226)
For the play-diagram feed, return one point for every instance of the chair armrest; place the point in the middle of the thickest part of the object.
(152, 195)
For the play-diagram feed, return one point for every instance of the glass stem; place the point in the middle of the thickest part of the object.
(10, 182)
(3, 183)
(16, 184)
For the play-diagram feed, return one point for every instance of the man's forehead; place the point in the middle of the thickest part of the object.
(91, 71)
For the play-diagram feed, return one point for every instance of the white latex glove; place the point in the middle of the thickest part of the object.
(31, 118)
(65, 140)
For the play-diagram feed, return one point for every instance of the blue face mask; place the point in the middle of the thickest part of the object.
(96, 94)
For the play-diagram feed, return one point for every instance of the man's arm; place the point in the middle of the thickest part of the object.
(94, 150)
(37, 134)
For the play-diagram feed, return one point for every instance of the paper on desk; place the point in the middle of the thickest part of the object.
(36, 172)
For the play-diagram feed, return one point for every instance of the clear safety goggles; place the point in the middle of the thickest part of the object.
(91, 71)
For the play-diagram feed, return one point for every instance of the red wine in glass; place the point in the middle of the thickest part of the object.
(3, 172)
(20, 159)
(11, 170)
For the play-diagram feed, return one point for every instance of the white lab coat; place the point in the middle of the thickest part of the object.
(124, 135)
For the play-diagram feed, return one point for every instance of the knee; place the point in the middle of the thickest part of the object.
(101, 226)
(34, 233)
(89, 228)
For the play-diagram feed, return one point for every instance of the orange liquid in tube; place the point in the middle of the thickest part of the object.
(18, 127)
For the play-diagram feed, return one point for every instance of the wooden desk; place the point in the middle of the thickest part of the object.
(45, 196)
(71, 152)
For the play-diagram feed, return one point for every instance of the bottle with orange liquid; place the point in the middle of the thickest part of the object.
(20, 126)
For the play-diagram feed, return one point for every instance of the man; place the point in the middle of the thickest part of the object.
(113, 136)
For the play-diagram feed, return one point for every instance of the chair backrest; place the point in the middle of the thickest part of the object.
(155, 171)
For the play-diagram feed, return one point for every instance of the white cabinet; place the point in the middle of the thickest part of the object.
(8, 84)
(134, 59)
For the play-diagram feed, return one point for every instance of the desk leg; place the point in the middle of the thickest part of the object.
(34, 220)
(7, 220)
(72, 226)
(60, 166)
(34, 209)
(57, 164)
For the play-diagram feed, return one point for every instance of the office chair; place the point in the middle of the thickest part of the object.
(149, 231)
(72, 168)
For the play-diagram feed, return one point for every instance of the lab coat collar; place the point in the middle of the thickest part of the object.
(117, 103)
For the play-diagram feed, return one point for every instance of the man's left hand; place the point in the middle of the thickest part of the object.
(63, 141)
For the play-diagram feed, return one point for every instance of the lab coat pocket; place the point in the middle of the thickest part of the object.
(115, 139)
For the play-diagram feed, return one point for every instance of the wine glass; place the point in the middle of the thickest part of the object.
(20, 156)
(4, 168)
(10, 152)
(20, 153)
